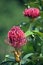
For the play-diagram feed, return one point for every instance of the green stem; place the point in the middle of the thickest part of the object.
(29, 31)
(31, 26)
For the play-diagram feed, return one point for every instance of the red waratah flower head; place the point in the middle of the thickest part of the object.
(16, 37)
(31, 12)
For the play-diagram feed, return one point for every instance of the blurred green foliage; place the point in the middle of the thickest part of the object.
(11, 13)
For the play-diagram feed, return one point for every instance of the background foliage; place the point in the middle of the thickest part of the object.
(11, 13)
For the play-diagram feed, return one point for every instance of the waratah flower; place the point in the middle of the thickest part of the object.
(31, 12)
(16, 37)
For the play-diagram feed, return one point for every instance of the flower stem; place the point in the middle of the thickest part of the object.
(29, 31)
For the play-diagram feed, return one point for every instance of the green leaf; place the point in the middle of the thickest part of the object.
(9, 57)
(28, 33)
(6, 62)
(39, 33)
(25, 61)
(25, 58)
(27, 55)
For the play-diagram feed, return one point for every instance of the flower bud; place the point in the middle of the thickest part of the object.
(31, 12)
(16, 37)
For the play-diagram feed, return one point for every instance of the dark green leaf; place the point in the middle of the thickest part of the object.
(27, 55)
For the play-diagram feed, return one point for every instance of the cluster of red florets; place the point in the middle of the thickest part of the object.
(16, 37)
(31, 12)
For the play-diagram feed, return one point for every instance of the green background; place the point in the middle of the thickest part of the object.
(11, 14)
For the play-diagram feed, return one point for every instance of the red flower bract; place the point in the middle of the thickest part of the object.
(16, 37)
(31, 12)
